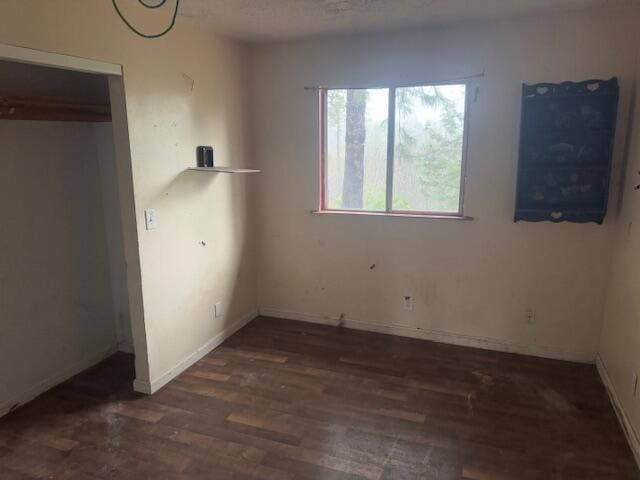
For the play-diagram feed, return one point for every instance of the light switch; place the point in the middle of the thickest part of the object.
(150, 218)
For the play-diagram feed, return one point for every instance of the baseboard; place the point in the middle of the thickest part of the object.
(156, 384)
(142, 386)
(435, 336)
(627, 427)
(126, 346)
(65, 374)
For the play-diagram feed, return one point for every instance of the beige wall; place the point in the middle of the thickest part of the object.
(106, 157)
(183, 90)
(472, 280)
(55, 293)
(620, 342)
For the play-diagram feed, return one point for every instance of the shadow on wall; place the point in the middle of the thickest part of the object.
(205, 216)
(58, 302)
(627, 147)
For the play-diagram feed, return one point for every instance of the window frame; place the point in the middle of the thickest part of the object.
(389, 210)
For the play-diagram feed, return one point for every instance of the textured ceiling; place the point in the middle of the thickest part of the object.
(265, 20)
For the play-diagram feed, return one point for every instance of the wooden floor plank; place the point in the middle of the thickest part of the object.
(285, 400)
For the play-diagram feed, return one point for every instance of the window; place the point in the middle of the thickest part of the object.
(393, 150)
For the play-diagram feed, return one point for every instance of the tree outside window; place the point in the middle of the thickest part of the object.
(423, 170)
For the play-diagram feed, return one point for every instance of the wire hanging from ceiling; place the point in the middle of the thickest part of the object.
(145, 4)
(157, 5)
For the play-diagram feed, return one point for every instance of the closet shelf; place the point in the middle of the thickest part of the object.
(45, 109)
(223, 170)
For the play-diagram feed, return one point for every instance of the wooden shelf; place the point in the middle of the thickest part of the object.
(19, 108)
(223, 170)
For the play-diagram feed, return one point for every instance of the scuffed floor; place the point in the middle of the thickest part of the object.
(286, 400)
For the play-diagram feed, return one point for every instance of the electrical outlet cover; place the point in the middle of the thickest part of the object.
(150, 218)
(408, 303)
(531, 315)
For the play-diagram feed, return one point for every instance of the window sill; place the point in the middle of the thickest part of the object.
(392, 214)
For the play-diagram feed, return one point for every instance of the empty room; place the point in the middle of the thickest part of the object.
(319, 239)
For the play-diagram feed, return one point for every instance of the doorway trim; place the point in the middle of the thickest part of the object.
(115, 75)
(57, 60)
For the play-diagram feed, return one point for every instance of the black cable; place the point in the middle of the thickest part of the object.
(146, 5)
(158, 5)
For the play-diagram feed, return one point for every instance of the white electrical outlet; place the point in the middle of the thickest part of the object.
(218, 310)
(530, 314)
(408, 303)
(150, 218)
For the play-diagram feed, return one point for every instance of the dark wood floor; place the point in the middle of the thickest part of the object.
(287, 400)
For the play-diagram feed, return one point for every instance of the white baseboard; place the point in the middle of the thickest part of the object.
(627, 427)
(435, 335)
(65, 374)
(152, 387)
